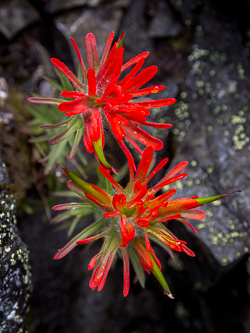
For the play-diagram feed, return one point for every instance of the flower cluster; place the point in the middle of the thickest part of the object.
(104, 98)
(134, 216)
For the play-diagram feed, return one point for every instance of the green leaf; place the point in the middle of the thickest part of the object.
(72, 205)
(76, 142)
(65, 194)
(159, 276)
(99, 152)
(53, 83)
(73, 225)
(65, 215)
(79, 73)
(93, 228)
(42, 138)
(137, 266)
(66, 84)
(205, 200)
(54, 154)
(89, 189)
(74, 124)
(82, 157)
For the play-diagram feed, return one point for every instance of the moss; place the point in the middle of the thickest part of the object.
(14, 147)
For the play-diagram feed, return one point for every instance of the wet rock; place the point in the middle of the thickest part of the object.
(15, 275)
(164, 23)
(137, 39)
(77, 24)
(54, 6)
(213, 133)
(15, 15)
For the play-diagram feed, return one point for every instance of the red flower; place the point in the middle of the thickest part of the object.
(133, 216)
(105, 98)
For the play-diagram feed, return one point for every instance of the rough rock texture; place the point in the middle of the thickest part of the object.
(15, 275)
(202, 51)
(15, 15)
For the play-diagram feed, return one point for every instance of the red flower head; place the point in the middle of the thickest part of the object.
(105, 98)
(133, 216)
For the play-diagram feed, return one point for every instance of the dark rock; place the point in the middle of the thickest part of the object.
(54, 6)
(212, 132)
(77, 24)
(15, 275)
(15, 15)
(137, 39)
(164, 23)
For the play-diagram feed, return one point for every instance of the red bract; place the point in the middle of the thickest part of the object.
(104, 97)
(133, 216)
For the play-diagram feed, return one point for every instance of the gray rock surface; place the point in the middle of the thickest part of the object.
(164, 23)
(15, 15)
(77, 24)
(213, 133)
(15, 274)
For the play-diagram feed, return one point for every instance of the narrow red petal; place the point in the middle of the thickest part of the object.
(110, 68)
(103, 206)
(107, 48)
(106, 270)
(146, 91)
(73, 94)
(133, 72)
(74, 106)
(91, 82)
(143, 137)
(97, 275)
(119, 200)
(87, 142)
(91, 239)
(125, 271)
(132, 142)
(93, 261)
(84, 71)
(139, 196)
(188, 251)
(144, 165)
(142, 254)
(107, 175)
(195, 214)
(112, 214)
(157, 103)
(178, 168)
(115, 126)
(66, 71)
(92, 54)
(188, 224)
(127, 231)
(147, 242)
(93, 127)
(133, 61)
(158, 168)
(131, 163)
(143, 222)
(167, 218)
(157, 125)
(142, 78)
(163, 182)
